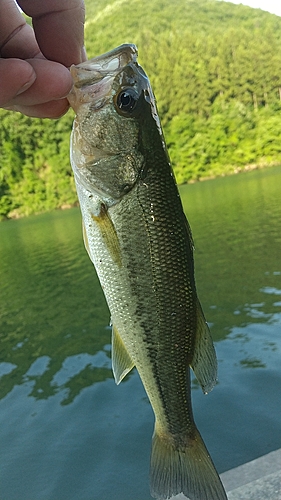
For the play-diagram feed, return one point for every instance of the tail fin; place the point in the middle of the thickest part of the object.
(187, 470)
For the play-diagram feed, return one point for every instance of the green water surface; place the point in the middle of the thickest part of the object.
(67, 432)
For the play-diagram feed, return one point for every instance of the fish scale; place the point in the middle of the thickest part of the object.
(140, 242)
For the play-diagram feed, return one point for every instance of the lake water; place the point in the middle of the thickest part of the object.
(67, 432)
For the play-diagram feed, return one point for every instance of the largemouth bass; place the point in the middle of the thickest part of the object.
(139, 240)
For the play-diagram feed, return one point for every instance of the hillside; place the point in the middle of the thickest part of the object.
(215, 71)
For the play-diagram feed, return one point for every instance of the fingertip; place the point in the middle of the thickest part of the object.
(52, 109)
(83, 54)
(16, 77)
(53, 82)
(27, 84)
(66, 83)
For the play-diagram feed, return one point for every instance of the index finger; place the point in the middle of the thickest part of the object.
(16, 37)
(59, 28)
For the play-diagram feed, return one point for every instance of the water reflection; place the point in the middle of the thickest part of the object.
(252, 363)
(53, 313)
(77, 372)
(51, 305)
(254, 345)
(236, 229)
(60, 409)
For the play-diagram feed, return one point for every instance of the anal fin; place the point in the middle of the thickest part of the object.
(204, 361)
(122, 363)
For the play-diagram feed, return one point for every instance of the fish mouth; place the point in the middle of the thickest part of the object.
(92, 79)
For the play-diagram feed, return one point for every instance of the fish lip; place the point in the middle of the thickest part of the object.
(92, 78)
(110, 63)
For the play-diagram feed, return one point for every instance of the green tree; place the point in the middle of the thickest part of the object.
(215, 71)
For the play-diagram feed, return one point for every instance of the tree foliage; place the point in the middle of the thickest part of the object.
(215, 71)
(35, 173)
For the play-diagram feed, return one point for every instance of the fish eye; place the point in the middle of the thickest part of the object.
(126, 101)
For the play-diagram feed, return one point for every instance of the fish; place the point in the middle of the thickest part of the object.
(140, 242)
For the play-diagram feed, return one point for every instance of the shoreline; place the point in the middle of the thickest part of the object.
(236, 170)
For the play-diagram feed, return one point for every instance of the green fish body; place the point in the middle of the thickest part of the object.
(139, 240)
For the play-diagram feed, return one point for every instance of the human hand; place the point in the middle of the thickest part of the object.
(34, 78)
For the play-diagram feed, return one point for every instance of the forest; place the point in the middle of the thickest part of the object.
(215, 71)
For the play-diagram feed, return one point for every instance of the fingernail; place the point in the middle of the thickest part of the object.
(84, 54)
(27, 85)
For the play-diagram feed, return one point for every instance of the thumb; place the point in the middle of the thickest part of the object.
(16, 77)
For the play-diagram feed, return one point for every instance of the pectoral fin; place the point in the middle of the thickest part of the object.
(108, 234)
(121, 360)
(204, 362)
